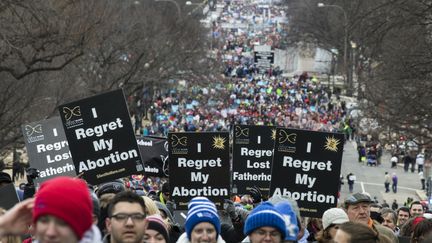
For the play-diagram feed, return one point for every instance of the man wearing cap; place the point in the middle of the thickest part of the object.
(105, 193)
(265, 223)
(202, 222)
(357, 207)
(164, 196)
(126, 219)
(62, 210)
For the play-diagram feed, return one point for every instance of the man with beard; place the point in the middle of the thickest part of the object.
(126, 219)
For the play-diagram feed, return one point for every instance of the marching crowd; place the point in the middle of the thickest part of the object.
(66, 209)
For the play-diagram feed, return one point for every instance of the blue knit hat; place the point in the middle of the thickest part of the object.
(200, 209)
(265, 215)
(290, 220)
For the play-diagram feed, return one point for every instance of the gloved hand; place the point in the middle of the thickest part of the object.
(230, 209)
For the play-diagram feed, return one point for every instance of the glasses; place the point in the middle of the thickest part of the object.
(136, 217)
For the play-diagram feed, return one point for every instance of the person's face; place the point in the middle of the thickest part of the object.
(332, 230)
(166, 196)
(416, 210)
(127, 223)
(341, 237)
(388, 221)
(163, 214)
(203, 233)
(359, 212)
(152, 236)
(52, 229)
(265, 234)
(402, 217)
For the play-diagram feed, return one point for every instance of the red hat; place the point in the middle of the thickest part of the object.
(67, 199)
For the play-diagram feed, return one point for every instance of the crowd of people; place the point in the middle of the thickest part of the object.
(247, 94)
(141, 210)
(66, 209)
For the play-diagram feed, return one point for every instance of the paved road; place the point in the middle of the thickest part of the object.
(371, 179)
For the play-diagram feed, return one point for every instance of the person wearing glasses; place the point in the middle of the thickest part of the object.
(126, 219)
(265, 224)
(357, 207)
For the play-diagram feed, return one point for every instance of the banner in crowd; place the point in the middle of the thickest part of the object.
(252, 158)
(9, 196)
(48, 149)
(101, 138)
(199, 165)
(306, 168)
(154, 154)
(264, 59)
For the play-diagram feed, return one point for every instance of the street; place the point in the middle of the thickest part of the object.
(371, 179)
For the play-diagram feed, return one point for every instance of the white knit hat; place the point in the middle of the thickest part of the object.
(334, 216)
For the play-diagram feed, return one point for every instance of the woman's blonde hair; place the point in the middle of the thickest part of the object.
(151, 207)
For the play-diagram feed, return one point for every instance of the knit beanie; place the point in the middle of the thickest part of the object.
(155, 222)
(290, 217)
(114, 186)
(265, 215)
(67, 199)
(95, 203)
(201, 209)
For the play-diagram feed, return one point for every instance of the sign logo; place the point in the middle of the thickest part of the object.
(179, 144)
(69, 114)
(284, 136)
(30, 130)
(219, 142)
(176, 141)
(241, 132)
(241, 135)
(331, 144)
(76, 111)
(34, 133)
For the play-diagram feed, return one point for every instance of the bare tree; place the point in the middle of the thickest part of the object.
(56, 51)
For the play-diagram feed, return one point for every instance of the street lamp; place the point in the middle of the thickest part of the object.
(177, 5)
(322, 5)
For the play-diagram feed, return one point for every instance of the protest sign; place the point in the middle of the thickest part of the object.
(252, 157)
(306, 168)
(48, 149)
(101, 138)
(154, 154)
(199, 166)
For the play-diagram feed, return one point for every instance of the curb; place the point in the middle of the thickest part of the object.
(421, 194)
